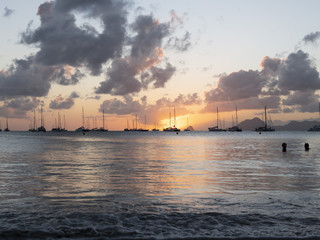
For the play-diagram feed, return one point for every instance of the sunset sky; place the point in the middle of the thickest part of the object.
(146, 57)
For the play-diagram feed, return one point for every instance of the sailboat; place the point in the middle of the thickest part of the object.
(155, 129)
(41, 128)
(172, 128)
(235, 128)
(82, 128)
(315, 128)
(34, 122)
(216, 128)
(59, 127)
(102, 129)
(145, 125)
(7, 128)
(0, 127)
(135, 125)
(265, 128)
(127, 128)
(188, 128)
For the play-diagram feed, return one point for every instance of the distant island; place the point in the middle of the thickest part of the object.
(251, 124)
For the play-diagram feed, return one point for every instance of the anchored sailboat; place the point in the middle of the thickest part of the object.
(315, 128)
(135, 125)
(33, 129)
(41, 128)
(82, 128)
(59, 127)
(172, 128)
(188, 127)
(102, 129)
(235, 127)
(7, 128)
(265, 128)
(216, 128)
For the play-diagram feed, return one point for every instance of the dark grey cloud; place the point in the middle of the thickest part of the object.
(251, 103)
(25, 78)
(63, 103)
(139, 70)
(311, 37)
(19, 107)
(300, 98)
(270, 65)
(7, 12)
(161, 75)
(63, 42)
(294, 80)
(297, 73)
(236, 86)
(306, 101)
(67, 45)
(67, 76)
(128, 106)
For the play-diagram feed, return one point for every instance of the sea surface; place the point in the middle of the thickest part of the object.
(159, 185)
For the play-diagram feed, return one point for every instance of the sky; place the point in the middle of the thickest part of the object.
(149, 58)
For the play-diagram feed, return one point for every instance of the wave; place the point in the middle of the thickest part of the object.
(158, 226)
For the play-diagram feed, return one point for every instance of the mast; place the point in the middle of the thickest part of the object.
(174, 114)
(217, 117)
(170, 119)
(145, 121)
(265, 117)
(102, 118)
(236, 116)
(34, 119)
(59, 121)
(82, 117)
(136, 121)
(41, 117)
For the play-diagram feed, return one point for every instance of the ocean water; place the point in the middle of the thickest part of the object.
(159, 185)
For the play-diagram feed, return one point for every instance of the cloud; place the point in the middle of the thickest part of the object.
(66, 75)
(96, 97)
(7, 12)
(63, 103)
(281, 83)
(67, 48)
(180, 44)
(25, 78)
(237, 86)
(270, 65)
(297, 73)
(161, 75)
(311, 37)
(115, 106)
(154, 112)
(19, 107)
(251, 103)
(140, 69)
(62, 42)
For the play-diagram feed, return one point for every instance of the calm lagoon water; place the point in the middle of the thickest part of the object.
(160, 185)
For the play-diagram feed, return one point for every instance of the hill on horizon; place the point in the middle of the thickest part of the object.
(251, 124)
